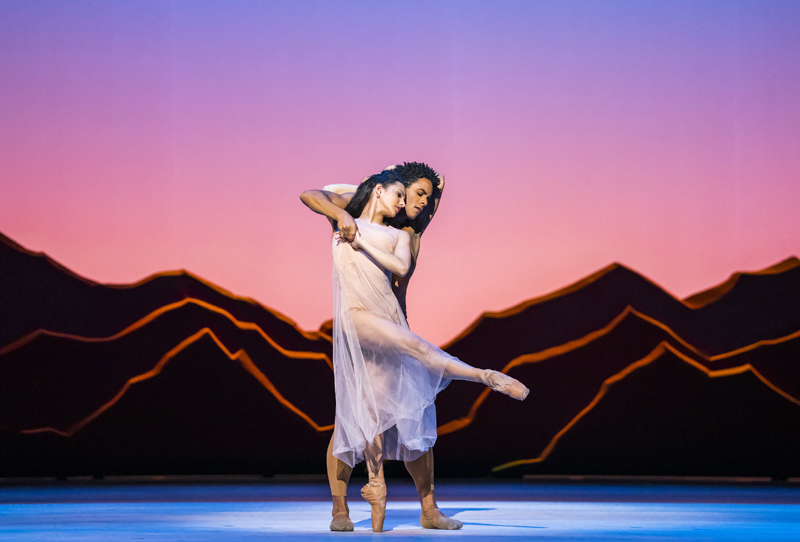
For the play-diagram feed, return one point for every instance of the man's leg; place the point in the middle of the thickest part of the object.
(421, 470)
(338, 478)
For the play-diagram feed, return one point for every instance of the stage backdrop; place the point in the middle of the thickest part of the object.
(155, 151)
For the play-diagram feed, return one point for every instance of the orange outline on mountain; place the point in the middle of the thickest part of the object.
(662, 347)
(312, 335)
(241, 356)
(697, 300)
(554, 351)
(158, 312)
(444, 429)
(706, 296)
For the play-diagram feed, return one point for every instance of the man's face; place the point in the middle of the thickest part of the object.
(417, 195)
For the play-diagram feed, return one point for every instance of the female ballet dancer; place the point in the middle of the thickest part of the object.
(386, 377)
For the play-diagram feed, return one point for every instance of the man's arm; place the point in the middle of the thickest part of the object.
(344, 190)
(427, 213)
(331, 205)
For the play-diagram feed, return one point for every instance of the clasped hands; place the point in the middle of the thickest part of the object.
(348, 232)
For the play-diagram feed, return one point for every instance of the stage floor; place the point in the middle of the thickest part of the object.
(250, 509)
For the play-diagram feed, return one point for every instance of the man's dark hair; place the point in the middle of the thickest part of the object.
(411, 172)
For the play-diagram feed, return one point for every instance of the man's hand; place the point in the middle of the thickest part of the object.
(347, 227)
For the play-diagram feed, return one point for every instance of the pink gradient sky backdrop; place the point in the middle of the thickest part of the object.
(137, 137)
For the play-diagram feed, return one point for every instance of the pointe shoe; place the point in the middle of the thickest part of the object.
(435, 519)
(505, 384)
(341, 522)
(375, 494)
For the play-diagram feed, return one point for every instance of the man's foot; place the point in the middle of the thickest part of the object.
(434, 519)
(341, 522)
(341, 515)
(375, 494)
(504, 384)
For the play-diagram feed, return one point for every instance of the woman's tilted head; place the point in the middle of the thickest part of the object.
(386, 188)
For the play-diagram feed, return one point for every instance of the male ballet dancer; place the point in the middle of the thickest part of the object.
(422, 201)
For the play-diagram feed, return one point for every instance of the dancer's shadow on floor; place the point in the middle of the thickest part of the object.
(395, 518)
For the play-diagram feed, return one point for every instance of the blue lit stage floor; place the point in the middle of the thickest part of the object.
(242, 509)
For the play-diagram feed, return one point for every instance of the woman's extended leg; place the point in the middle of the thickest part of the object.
(376, 333)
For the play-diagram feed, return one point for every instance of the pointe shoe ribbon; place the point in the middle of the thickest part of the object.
(375, 494)
(505, 384)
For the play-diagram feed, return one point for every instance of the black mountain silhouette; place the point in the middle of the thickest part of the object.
(669, 417)
(176, 375)
(758, 306)
(630, 336)
(203, 413)
(56, 381)
(564, 384)
(39, 293)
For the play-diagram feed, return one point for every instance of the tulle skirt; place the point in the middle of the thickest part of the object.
(386, 377)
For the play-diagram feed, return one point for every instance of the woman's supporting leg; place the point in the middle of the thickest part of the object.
(373, 455)
(421, 470)
(338, 478)
(375, 490)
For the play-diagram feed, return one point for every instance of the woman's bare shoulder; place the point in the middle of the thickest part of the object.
(403, 235)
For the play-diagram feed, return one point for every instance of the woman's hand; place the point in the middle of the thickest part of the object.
(347, 227)
(398, 262)
(356, 241)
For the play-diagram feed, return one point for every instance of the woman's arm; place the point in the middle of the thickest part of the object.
(331, 205)
(398, 263)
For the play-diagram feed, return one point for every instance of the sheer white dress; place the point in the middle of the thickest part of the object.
(386, 377)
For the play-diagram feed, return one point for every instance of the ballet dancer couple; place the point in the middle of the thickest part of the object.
(386, 377)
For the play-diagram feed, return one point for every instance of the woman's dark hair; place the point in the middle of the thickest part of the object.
(361, 197)
(414, 171)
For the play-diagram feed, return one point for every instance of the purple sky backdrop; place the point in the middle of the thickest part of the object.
(137, 137)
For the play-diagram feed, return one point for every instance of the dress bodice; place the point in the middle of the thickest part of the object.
(378, 235)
